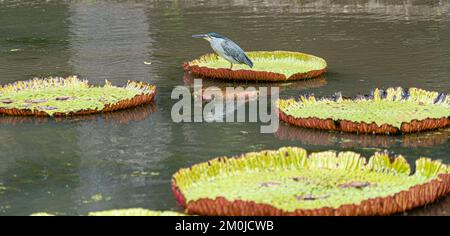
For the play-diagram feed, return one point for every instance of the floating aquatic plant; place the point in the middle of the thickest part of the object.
(267, 66)
(289, 181)
(135, 212)
(305, 136)
(390, 111)
(42, 214)
(70, 96)
(123, 212)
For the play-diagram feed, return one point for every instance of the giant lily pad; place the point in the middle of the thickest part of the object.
(70, 96)
(267, 66)
(288, 181)
(123, 212)
(390, 111)
(135, 212)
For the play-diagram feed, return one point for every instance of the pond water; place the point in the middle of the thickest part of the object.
(126, 159)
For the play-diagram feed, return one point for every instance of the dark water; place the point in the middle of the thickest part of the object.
(126, 159)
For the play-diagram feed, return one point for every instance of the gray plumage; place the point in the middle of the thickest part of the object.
(226, 49)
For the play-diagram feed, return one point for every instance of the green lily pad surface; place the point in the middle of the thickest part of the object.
(42, 214)
(282, 62)
(393, 106)
(135, 212)
(66, 95)
(123, 212)
(290, 179)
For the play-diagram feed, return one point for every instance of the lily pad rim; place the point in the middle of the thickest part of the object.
(356, 123)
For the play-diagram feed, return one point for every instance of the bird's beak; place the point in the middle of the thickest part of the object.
(200, 36)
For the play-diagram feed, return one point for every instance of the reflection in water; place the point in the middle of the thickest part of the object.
(110, 41)
(349, 140)
(245, 95)
(388, 9)
(33, 41)
(241, 93)
(441, 207)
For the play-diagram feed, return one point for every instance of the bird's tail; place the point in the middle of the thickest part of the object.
(248, 62)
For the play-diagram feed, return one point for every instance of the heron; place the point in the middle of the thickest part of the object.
(226, 48)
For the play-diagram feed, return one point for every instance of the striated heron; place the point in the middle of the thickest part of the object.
(226, 48)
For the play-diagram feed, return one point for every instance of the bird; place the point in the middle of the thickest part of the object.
(226, 48)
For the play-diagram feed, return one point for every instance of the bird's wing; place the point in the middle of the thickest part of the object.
(234, 51)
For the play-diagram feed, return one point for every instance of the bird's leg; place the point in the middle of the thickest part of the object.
(231, 67)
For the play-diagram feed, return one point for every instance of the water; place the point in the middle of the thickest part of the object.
(126, 159)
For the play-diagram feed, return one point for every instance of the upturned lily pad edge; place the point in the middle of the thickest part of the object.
(415, 196)
(414, 126)
(250, 75)
(148, 93)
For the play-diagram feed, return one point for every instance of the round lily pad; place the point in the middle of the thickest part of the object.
(390, 111)
(289, 181)
(70, 96)
(267, 66)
